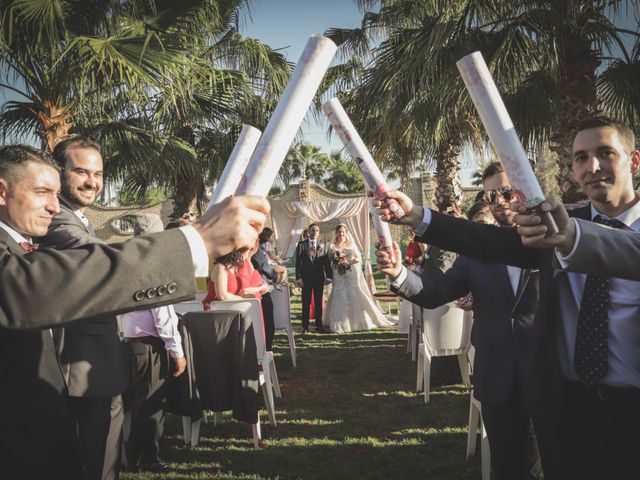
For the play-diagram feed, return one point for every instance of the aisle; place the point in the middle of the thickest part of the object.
(348, 412)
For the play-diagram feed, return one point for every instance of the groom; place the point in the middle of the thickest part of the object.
(313, 270)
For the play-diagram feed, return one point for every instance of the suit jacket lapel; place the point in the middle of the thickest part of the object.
(65, 205)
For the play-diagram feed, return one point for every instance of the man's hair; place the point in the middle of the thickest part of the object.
(15, 157)
(313, 225)
(475, 209)
(492, 169)
(147, 223)
(61, 152)
(265, 235)
(626, 134)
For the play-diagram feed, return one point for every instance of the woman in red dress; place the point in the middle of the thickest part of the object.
(234, 278)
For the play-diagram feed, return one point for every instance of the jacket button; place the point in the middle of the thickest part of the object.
(139, 295)
(172, 288)
(162, 289)
(151, 293)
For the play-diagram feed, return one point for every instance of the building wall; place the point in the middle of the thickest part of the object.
(420, 189)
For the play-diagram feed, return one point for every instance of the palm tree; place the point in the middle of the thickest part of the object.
(304, 161)
(162, 85)
(547, 56)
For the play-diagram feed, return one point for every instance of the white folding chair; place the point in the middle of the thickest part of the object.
(282, 317)
(476, 425)
(415, 328)
(189, 306)
(446, 330)
(268, 374)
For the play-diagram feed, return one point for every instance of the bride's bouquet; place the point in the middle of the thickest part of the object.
(339, 261)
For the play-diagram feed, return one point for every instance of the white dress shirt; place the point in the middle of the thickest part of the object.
(159, 322)
(624, 317)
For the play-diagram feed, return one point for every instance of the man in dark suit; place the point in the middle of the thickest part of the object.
(505, 299)
(313, 270)
(93, 357)
(581, 361)
(36, 439)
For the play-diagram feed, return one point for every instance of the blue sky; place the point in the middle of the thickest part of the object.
(287, 24)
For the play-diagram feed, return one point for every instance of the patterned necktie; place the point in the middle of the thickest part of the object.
(590, 358)
(313, 250)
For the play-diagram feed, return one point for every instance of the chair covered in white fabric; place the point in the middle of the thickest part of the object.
(282, 317)
(446, 330)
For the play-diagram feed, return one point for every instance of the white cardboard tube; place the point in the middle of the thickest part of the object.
(350, 138)
(287, 117)
(497, 122)
(235, 167)
(503, 136)
(382, 229)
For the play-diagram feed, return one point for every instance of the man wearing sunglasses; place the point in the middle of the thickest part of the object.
(504, 297)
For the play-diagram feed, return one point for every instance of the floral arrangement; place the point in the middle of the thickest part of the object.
(339, 261)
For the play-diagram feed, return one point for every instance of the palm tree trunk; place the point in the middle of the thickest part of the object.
(56, 123)
(575, 99)
(448, 189)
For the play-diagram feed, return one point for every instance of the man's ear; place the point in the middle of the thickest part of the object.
(4, 191)
(635, 161)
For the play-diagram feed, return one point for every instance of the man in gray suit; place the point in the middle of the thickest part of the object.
(588, 247)
(93, 357)
(36, 439)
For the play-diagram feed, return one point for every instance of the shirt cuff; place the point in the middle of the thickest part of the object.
(175, 352)
(565, 260)
(199, 254)
(426, 220)
(399, 280)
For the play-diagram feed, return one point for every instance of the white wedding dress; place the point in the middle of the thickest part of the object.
(350, 307)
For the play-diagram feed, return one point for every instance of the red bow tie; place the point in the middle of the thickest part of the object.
(28, 247)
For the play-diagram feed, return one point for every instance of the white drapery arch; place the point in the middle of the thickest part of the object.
(288, 220)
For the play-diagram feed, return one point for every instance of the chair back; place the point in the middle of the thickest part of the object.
(189, 306)
(446, 330)
(281, 307)
(251, 308)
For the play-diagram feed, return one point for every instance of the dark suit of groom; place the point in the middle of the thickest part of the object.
(313, 268)
(94, 363)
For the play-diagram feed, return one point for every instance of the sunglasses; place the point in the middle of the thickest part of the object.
(492, 195)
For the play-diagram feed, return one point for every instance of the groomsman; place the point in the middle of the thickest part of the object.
(36, 439)
(94, 359)
(313, 270)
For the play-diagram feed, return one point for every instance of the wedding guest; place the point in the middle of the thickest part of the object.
(271, 272)
(155, 349)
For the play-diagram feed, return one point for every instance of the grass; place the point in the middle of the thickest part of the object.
(348, 411)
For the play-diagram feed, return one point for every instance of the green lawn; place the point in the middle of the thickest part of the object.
(349, 411)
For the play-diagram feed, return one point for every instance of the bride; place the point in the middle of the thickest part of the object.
(350, 307)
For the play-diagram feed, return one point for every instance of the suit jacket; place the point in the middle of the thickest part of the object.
(35, 430)
(312, 269)
(261, 262)
(542, 382)
(495, 308)
(49, 288)
(94, 360)
(606, 252)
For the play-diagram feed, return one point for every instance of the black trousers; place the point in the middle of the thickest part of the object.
(508, 429)
(313, 287)
(269, 321)
(146, 398)
(600, 431)
(98, 425)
